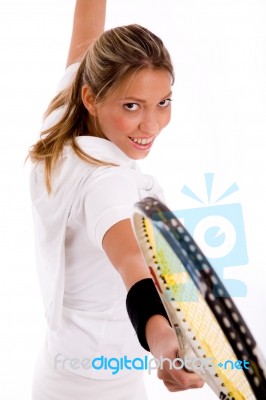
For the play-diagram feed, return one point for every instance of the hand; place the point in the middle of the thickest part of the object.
(163, 343)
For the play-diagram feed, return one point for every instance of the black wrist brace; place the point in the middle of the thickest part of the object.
(143, 301)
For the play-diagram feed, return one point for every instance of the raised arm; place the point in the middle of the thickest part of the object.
(88, 24)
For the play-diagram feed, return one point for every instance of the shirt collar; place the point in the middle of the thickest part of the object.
(105, 150)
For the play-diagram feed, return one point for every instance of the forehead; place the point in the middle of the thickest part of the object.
(145, 85)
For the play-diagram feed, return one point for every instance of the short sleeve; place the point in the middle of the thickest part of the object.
(110, 198)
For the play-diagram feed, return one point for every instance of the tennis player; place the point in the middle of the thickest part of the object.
(100, 301)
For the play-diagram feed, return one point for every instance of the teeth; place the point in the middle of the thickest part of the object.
(141, 141)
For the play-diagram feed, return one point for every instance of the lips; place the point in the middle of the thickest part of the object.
(141, 141)
(142, 144)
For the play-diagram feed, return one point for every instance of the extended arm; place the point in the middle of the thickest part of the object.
(88, 24)
(122, 249)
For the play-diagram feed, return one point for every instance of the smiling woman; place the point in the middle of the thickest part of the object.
(123, 63)
(136, 112)
(114, 100)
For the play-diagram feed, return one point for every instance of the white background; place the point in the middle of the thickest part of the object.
(218, 125)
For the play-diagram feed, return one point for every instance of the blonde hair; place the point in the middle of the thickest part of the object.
(117, 54)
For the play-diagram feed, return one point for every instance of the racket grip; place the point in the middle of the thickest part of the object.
(185, 350)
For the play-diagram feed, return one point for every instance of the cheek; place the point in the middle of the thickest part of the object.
(165, 121)
(123, 124)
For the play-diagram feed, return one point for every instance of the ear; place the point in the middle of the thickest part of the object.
(88, 99)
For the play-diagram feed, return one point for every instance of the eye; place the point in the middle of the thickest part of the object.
(165, 103)
(131, 106)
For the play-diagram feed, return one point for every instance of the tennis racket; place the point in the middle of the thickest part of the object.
(211, 332)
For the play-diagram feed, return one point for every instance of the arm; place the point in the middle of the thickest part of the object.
(122, 249)
(88, 24)
(125, 255)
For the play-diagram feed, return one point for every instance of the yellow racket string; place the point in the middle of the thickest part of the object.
(193, 313)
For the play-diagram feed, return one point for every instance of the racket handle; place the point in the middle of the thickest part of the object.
(185, 350)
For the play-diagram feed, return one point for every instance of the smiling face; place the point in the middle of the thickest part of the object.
(135, 113)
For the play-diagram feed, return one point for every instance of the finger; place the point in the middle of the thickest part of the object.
(181, 379)
(176, 387)
(172, 387)
(178, 375)
(186, 379)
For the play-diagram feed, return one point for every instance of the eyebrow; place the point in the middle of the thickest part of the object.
(144, 101)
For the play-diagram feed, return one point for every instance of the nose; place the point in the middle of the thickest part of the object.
(149, 124)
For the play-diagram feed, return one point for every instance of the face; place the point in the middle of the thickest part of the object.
(134, 115)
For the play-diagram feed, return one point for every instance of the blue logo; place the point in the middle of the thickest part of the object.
(238, 364)
(219, 231)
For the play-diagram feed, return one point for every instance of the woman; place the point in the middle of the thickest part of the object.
(114, 100)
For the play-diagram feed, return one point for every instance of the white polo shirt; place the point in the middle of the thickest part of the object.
(83, 294)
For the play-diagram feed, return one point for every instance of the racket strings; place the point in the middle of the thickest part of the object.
(233, 322)
(205, 331)
(224, 309)
(194, 315)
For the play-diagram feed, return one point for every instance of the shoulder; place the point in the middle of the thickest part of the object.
(114, 173)
(107, 197)
(111, 183)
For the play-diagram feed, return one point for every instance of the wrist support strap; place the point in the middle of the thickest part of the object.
(143, 301)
